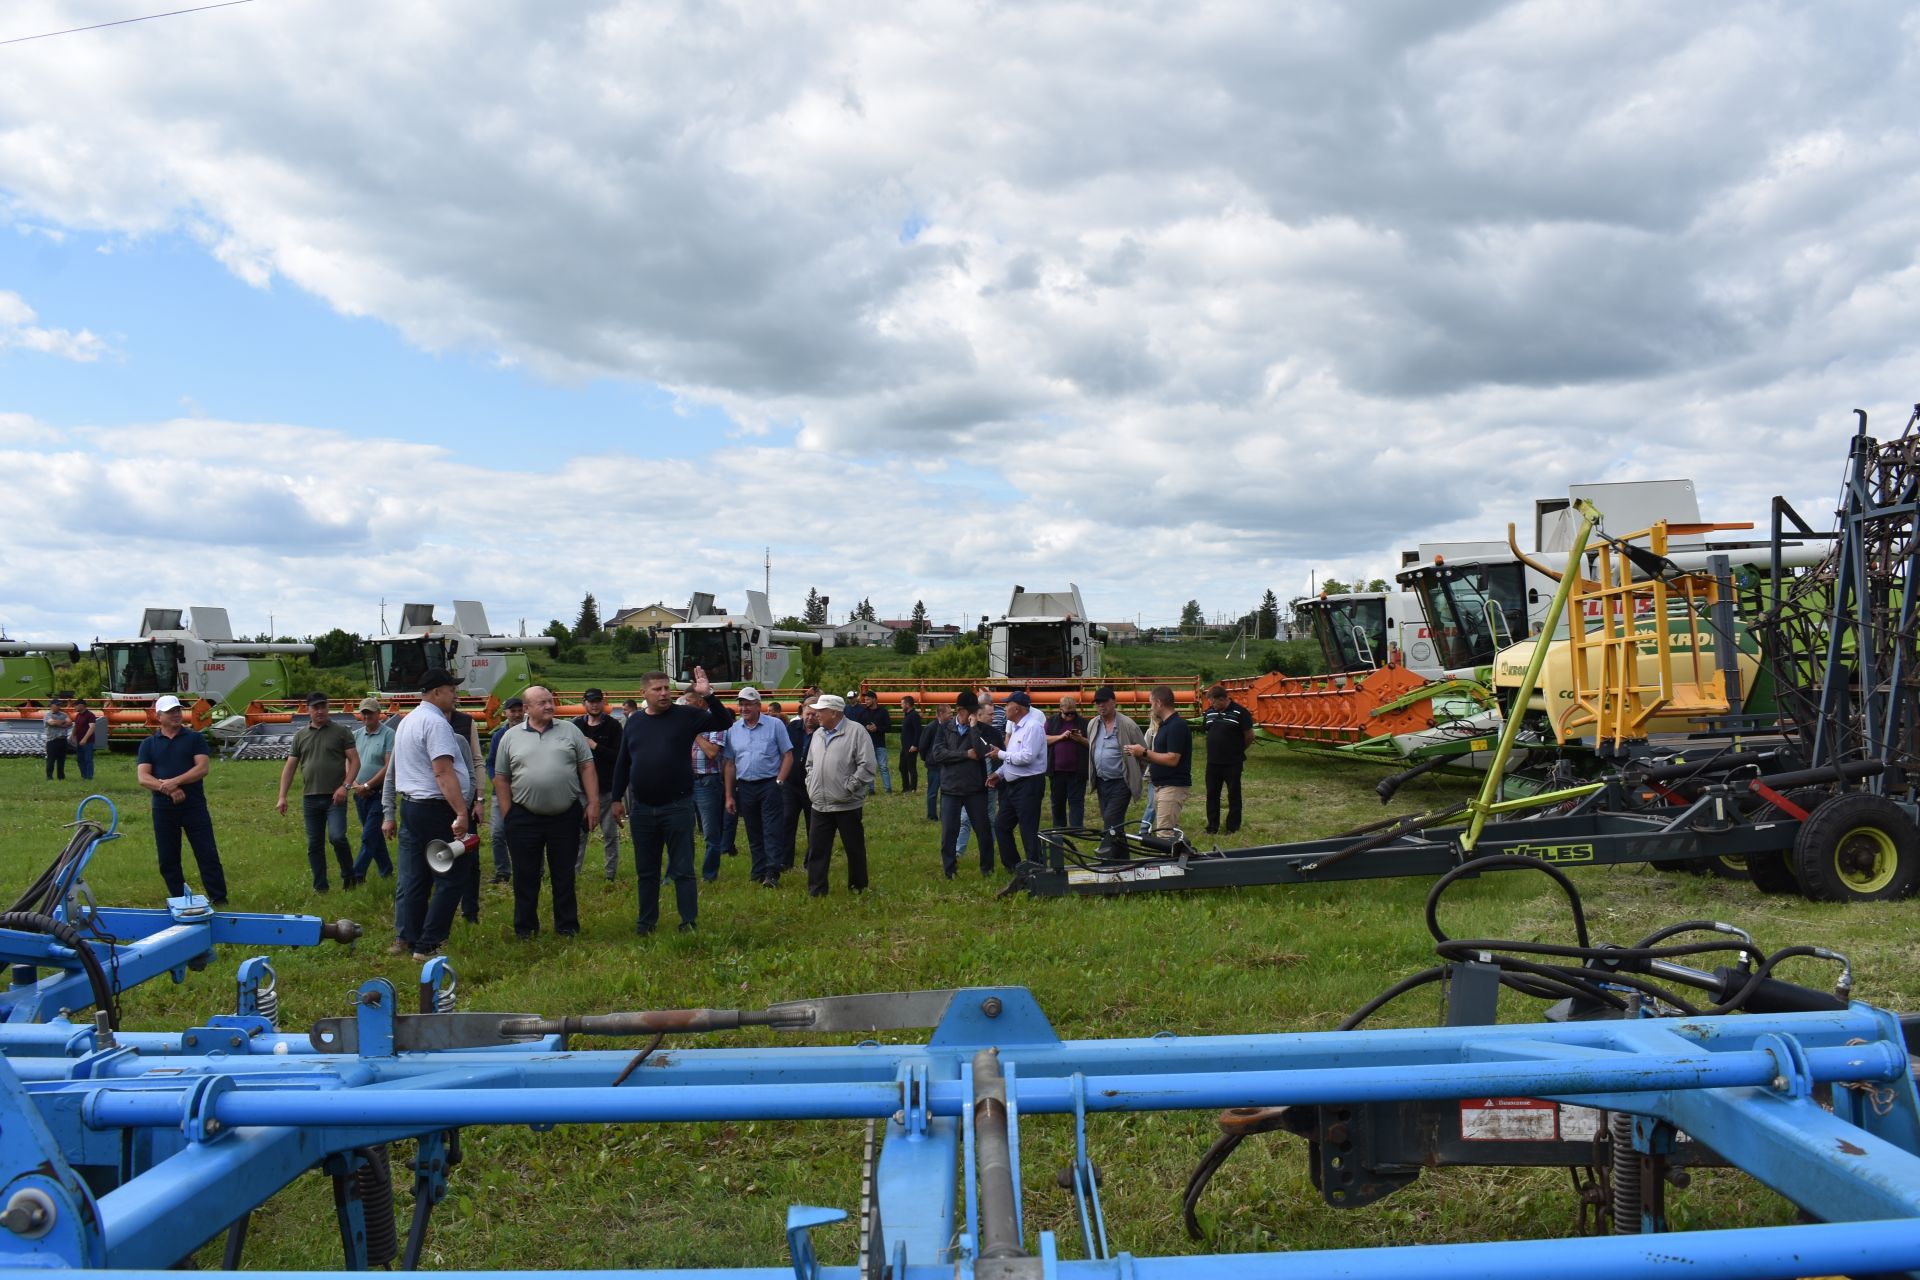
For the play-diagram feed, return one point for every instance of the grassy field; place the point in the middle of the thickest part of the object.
(1221, 962)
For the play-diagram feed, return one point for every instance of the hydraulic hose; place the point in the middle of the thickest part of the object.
(67, 935)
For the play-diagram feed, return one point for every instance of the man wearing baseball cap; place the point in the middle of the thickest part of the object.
(432, 781)
(173, 765)
(839, 771)
(1022, 777)
(324, 752)
(373, 739)
(757, 753)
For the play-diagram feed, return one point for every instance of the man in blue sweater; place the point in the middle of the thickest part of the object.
(653, 781)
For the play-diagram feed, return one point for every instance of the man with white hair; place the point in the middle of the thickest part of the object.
(839, 771)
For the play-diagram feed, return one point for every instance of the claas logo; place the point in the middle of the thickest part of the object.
(1553, 852)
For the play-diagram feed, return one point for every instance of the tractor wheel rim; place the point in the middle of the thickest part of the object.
(1734, 861)
(1866, 859)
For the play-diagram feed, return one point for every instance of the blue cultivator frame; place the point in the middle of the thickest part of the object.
(134, 1151)
(71, 952)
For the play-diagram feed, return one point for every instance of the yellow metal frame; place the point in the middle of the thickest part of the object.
(1620, 703)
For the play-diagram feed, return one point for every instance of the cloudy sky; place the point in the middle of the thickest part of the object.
(306, 304)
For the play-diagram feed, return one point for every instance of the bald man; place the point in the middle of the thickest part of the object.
(549, 792)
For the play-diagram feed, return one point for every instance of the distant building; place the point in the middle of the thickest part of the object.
(862, 632)
(937, 638)
(651, 618)
(1121, 632)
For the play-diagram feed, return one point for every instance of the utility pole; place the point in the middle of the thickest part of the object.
(769, 584)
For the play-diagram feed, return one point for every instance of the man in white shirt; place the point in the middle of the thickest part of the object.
(1022, 777)
(431, 779)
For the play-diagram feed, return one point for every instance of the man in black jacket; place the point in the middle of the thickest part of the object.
(959, 751)
(909, 745)
(653, 780)
(794, 789)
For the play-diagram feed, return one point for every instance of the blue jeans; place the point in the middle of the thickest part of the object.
(670, 827)
(502, 855)
(710, 802)
(84, 754)
(762, 812)
(1146, 798)
(933, 793)
(881, 778)
(326, 825)
(373, 841)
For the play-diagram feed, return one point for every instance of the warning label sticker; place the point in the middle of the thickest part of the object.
(1578, 1124)
(1168, 871)
(1507, 1120)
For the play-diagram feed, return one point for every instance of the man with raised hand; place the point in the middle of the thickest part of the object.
(653, 783)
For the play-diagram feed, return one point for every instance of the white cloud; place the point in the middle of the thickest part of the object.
(18, 330)
(1291, 286)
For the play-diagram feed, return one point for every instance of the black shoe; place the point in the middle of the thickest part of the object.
(686, 926)
(500, 877)
(524, 936)
(816, 893)
(1213, 831)
(218, 902)
(642, 930)
(568, 933)
(1231, 830)
(322, 888)
(948, 873)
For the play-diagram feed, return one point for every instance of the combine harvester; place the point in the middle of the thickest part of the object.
(736, 649)
(135, 1149)
(1826, 806)
(1047, 644)
(1412, 674)
(229, 686)
(27, 685)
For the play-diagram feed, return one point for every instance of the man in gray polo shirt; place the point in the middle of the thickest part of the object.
(547, 787)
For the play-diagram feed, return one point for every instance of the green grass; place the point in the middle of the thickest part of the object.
(1238, 961)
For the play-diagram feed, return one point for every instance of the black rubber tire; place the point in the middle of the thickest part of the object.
(1857, 848)
(1729, 866)
(1772, 871)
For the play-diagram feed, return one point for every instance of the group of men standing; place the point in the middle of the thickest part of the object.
(556, 782)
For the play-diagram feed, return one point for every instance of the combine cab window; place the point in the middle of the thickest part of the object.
(1352, 633)
(718, 649)
(143, 668)
(400, 665)
(1473, 610)
(1037, 651)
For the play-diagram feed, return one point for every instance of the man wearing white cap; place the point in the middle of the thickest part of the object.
(172, 765)
(757, 752)
(839, 770)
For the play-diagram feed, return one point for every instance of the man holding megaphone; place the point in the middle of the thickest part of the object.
(433, 779)
(548, 791)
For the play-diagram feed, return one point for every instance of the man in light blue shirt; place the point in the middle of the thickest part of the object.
(374, 741)
(757, 753)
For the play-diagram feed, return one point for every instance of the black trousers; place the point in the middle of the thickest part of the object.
(975, 807)
(1223, 773)
(1020, 807)
(57, 758)
(909, 769)
(191, 819)
(798, 809)
(1069, 794)
(850, 826)
(536, 841)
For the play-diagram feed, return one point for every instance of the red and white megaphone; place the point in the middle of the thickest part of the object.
(442, 854)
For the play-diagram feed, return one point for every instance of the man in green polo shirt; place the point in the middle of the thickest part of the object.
(549, 792)
(327, 758)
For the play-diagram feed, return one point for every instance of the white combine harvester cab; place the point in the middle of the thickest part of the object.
(488, 666)
(735, 649)
(1044, 635)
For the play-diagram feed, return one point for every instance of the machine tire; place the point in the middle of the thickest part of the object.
(1772, 871)
(1730, 866)
(1857, 848)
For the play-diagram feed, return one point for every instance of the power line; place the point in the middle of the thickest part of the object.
(121, 22)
